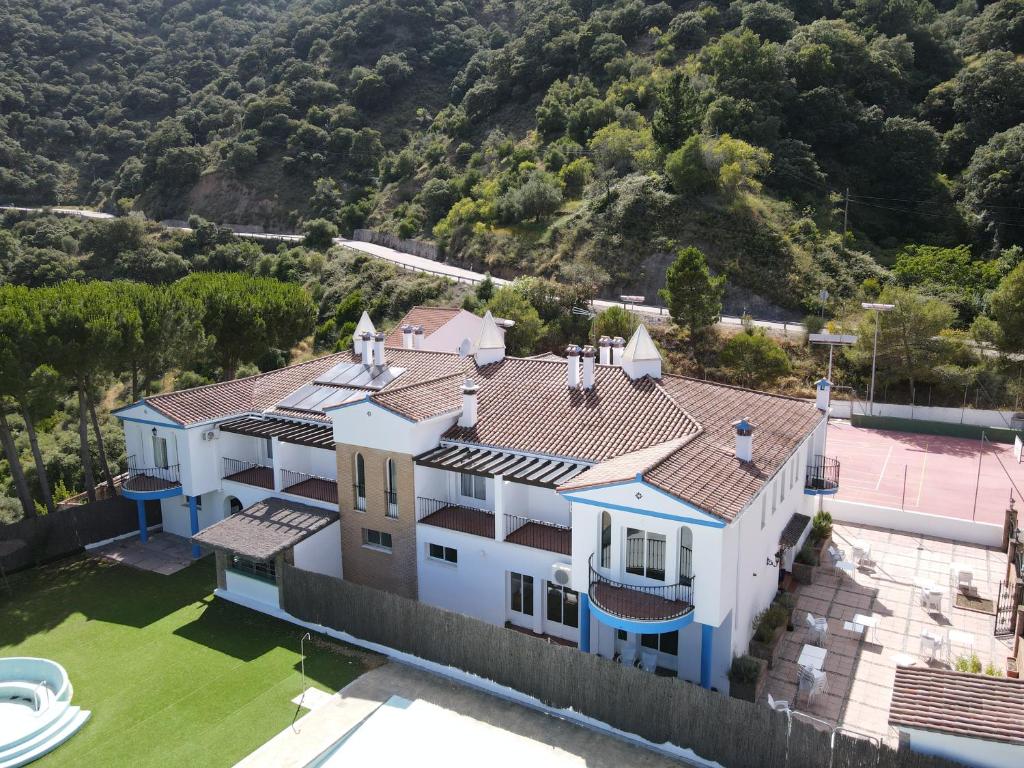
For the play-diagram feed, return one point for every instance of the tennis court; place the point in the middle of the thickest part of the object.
(949, 476)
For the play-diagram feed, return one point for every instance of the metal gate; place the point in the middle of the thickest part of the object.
(1006, 606)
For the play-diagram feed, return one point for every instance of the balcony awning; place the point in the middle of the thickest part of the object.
(312, 435)
(529, 470)
(266, 528)
(794, 530)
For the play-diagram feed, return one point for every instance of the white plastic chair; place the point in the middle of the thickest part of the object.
(812, 682)
(933, 601)
(932, 642)
(628, 656)
(649, 660)
(835, 554)
(778, 704)
(818, 629)
(964, 581)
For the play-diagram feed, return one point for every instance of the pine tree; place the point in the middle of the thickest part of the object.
(694, 297)
(677, 116)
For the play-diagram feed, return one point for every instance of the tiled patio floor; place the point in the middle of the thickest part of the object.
(164, 553)
(860, 671)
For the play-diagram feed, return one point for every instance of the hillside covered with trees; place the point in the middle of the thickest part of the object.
(523, 136)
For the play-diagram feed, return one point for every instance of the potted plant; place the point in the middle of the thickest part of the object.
(746, 677)
(821, 533)
(805, 562)
(768, 626)
(788, 601)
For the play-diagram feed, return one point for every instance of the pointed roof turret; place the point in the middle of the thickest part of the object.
(490, 345)
(641, 357)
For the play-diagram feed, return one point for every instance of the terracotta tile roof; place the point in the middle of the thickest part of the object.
(958, 703)
(705, 472)
(266, 528)
(256, 394)
(431, 318)
(525, 405)
(625, 467)
(424, 399)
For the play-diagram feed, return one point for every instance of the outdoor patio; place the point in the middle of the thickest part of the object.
(164, 553)
(885, 585)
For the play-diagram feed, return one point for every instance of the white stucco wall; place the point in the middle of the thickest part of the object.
(252, 589)
(478, 585)
(321, 552)
(366, 424)
(973, 752)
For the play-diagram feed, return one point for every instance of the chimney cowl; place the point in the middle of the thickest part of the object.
(366, 348)
(589, 351)
(378, 349)
(417, 336)
(744, 439)
(605, 346)
(588, 367)
(572, 350)
(406, 336)
(469, 403)
(572, 368)
(618, 346)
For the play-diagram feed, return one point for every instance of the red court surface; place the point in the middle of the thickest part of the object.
(924, 473)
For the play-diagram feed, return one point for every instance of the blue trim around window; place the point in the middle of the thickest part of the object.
(151, 422)
(647, 512)
(643, 627)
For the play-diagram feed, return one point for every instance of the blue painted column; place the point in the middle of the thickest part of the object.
(140, 505)
(707, 636)
(585, 623)
(193, 520)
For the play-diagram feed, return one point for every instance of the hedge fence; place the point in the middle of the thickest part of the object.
(35, 540)
(732, 732)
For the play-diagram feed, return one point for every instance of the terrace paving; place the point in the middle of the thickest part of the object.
(861, 670)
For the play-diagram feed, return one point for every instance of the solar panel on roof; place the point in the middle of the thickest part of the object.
(317, 397)
(359, 375)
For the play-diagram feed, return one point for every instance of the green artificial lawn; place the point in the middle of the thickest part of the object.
(173, 676)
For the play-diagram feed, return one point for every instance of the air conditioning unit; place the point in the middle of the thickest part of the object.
(561, 574)
(210, 435)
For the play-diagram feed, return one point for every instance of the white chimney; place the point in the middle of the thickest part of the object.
(417, 337)
(823, 392)
(572, 377)
(378, 349)
(618, 344)
(604, 344)
(588, 367)
(744, 440)
(468, 417)
(406, 336)
(365, 349)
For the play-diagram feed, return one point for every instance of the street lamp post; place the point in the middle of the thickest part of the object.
(878, 308)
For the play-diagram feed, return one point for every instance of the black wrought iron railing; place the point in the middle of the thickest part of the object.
(248, 472)
(359, 497)
(139, 475)
(539, 534)
(392, 501)
(640, 602)
(455, 517)
(311, 486)
(822, 474)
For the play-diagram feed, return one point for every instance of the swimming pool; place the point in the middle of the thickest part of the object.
(36, 714)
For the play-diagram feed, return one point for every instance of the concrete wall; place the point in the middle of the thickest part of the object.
(321, 552)
(954, 528)
(973, 752)
(982, 418)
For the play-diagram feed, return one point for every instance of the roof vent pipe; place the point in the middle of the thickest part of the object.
(605, 346)
(588, 367)
(618, 345)
(823, 392)
(572, 377)
(406, 336)
(366, 348)
(417, 337)
(468, 417)
(744, 440)
(378, 349)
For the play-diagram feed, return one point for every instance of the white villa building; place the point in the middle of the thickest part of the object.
(589, 499)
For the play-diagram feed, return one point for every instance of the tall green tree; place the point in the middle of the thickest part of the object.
(753, 358)
(24, 377)
(1008, 308)
(510, 304)
(678, 114)
(693, 295)
(244, 317)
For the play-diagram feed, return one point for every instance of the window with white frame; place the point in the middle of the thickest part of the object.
(445, 554)
(645, 554)
(160, 451)
(379, 539)
(521, 596)
(473, 486)
(563, 605)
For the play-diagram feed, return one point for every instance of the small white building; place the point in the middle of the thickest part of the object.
(977, 720)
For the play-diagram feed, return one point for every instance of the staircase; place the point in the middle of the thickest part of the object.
(58, 724)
